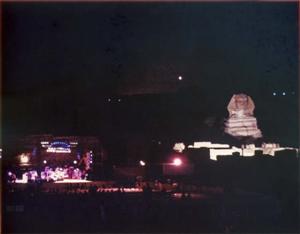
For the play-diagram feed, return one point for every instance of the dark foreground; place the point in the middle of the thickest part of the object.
(31, 211)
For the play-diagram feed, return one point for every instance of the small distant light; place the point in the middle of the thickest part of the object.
(283, 93)
(142, 163)
(180, 78)
(177, 162)
(109, 100)
(159, 142)
(75, 162)
(45, 161)
(119, 100)
(274, 94)
(91, 161)
(9, 173)
(91, 151)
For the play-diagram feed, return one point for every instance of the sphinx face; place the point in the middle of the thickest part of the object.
(241, 102)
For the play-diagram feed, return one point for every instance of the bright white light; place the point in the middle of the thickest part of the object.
(180, 78)
(75, 162)
(142, 163)
(24, 158)
(177, 162)
(45, 161)
(274, 94)
(58, 150)
(283, 93)
(21, 181)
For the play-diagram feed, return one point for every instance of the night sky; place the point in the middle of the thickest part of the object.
(112, 69)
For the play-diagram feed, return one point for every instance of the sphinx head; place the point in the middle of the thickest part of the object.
(240, 105)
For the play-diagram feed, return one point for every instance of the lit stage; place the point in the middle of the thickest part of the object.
(66, 181)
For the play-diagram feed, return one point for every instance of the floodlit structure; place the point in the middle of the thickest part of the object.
(241, 121)
(216, 149)
(179, 147)
(208, 144)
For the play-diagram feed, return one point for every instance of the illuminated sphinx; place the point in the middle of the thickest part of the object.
(241, 122)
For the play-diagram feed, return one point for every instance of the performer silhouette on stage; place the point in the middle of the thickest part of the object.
(84, 164)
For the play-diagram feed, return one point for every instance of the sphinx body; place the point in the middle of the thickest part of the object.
(241, 121)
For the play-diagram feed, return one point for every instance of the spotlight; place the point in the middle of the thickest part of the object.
(177, 162)
(45, 161)
(24, 158)
(142, 163)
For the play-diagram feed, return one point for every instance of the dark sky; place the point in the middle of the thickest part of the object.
(66, 59)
